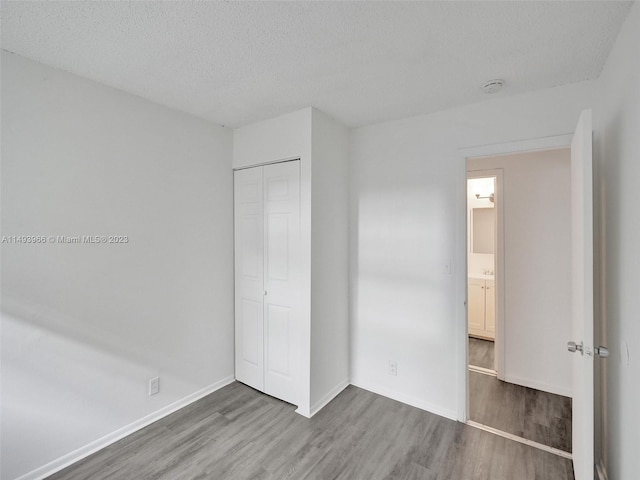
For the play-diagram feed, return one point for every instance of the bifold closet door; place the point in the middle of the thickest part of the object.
(267, 245)
(249, 276)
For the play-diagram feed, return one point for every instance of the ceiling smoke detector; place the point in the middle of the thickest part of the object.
(493, 86)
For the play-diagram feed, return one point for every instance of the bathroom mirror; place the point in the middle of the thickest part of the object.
(483, 230)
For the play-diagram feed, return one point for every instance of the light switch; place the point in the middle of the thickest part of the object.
(624, 353)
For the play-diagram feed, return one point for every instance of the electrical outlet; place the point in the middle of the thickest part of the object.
(154, 385)
(393, 368)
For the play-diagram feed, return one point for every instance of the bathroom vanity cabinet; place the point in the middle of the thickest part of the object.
(482, 301)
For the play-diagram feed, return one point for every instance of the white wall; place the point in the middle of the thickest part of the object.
(85, 326)
(329, 259)
(407, 218)
(536, 204)
(617, 126)
(281, 138)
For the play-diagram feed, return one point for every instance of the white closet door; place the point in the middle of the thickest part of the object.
(249, 276)
(282, 279)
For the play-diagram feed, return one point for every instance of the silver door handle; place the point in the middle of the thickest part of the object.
(573, 347)
(602, 351)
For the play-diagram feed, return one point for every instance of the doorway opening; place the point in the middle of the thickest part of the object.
(482, 252)
(519, 296)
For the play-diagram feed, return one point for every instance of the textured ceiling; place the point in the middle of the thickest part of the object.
(361, 62)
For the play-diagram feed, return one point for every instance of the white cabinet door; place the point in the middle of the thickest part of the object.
(249, 276)
(267, 278)
(282, 278)
(476, 306)
(490, 307)
(482, 308)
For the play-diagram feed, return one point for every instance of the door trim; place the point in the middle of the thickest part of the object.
(284, 160)
(518, 146)
(524, 441)
(464, 153)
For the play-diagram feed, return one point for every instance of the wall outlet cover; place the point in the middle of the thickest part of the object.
(393, 368)
(154, 385)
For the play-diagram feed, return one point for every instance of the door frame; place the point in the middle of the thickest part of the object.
(302, 368)
(464, 153)
(498, 267)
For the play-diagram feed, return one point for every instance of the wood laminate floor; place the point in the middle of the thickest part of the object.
(481, 353)
(525, 412)
(238, 433)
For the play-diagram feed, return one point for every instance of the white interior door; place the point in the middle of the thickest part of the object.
(267, 278)
(249, 276)
(281, 278)
(582, 297)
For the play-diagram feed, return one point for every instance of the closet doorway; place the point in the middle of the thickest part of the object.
(267, 278)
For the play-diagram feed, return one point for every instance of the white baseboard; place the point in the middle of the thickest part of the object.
(82, 452)
(333, 393)
(601, 471)
(409, 400)
(545, 387)
(304, 412)
(485, 371)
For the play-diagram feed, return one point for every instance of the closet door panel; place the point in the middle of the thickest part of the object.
(251, 328)
(282, 278)
(278, 247)
(249, 276)
(278, 335)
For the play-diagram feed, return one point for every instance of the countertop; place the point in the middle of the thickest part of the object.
(480, 276)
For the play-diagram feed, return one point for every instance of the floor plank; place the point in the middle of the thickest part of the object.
(532, 414)
(481, 353)
(238, 433)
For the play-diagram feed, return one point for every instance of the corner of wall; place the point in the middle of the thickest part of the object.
(330, 248)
